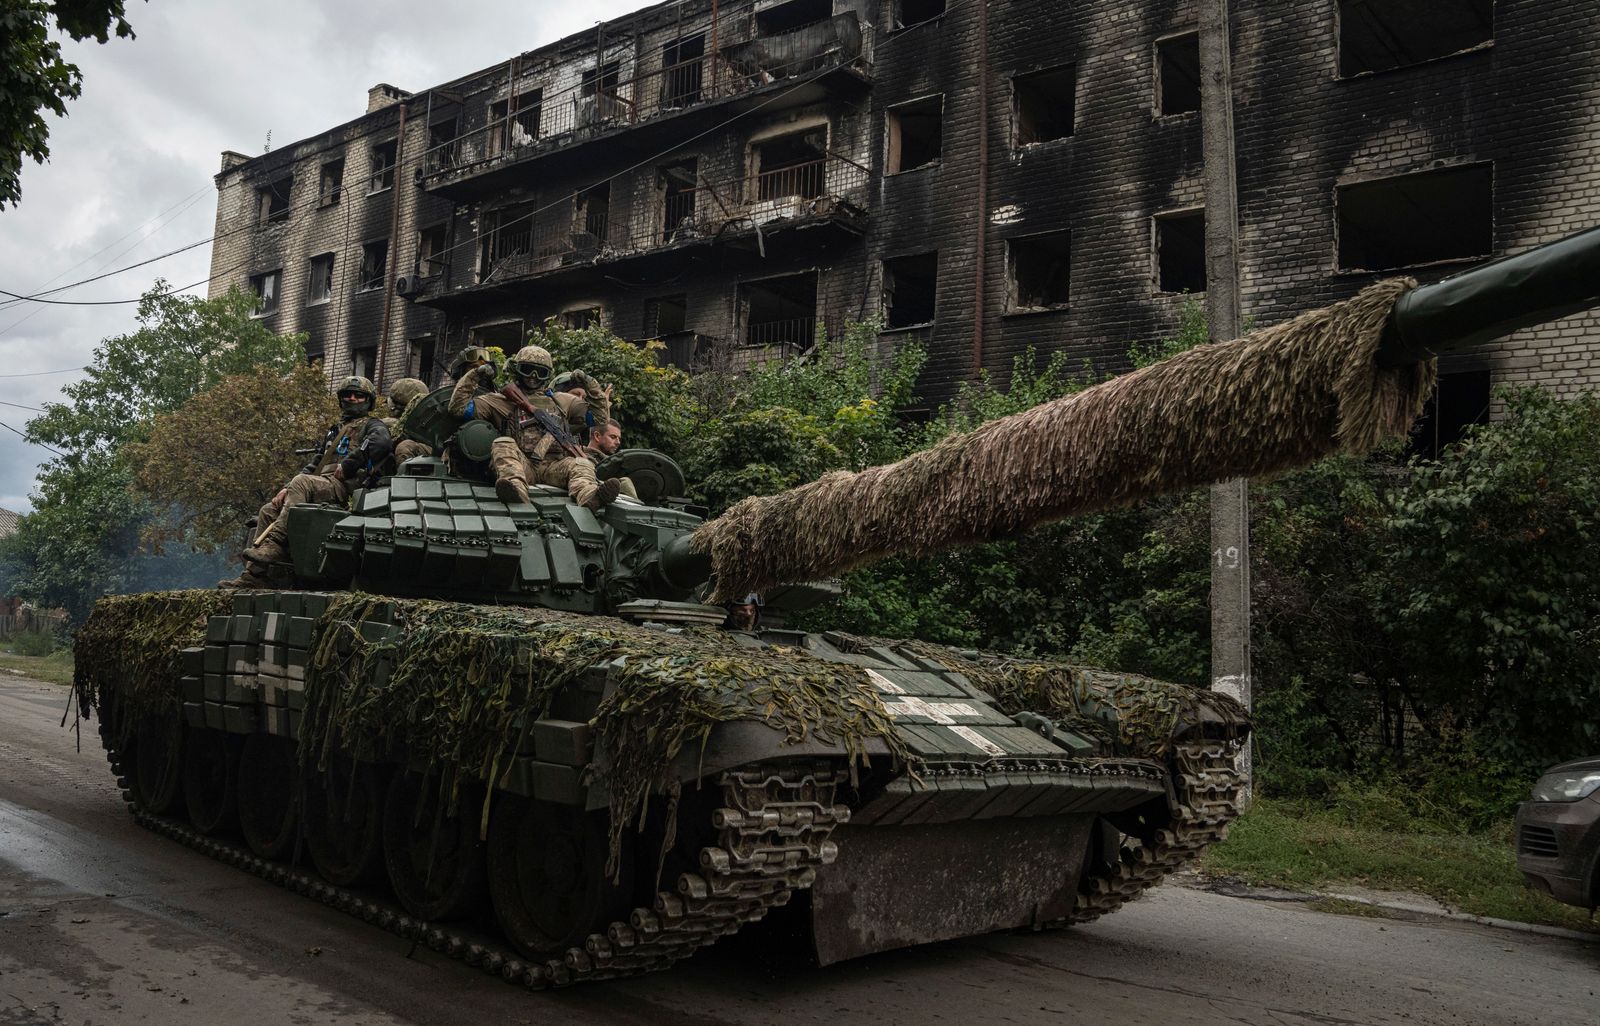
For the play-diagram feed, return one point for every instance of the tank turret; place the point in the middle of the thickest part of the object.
(530, 707)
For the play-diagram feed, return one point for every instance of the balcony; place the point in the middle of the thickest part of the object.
(656, 108)
(811, 204)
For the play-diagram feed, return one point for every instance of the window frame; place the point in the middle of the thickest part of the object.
(257, 283)
(312, 299)
(884, 292)
(364, 283)
(1017, 146)
(1174, 214)
(1013, 287)
(1157, 90)
(325, 198)
(892, 148)
(389, 170)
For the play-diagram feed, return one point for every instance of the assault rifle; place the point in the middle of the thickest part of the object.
(548, 422)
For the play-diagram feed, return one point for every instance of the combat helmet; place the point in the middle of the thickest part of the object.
(532, 366)
(351, 386)
(405, 392)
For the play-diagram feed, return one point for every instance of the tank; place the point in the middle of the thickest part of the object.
(516, 733)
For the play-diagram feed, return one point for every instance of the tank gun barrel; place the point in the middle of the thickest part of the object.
(1494, 299)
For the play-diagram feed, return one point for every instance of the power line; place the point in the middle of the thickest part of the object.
(20, 406)
(30, 441)
(40, 374)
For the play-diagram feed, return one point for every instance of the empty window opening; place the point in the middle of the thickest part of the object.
(916, 134)
(330, 183)
(791, 165)
(265, 286)
(593, 214)
(910, 289)
(363, 360)
(319, 282)
(420, 359)
(601, 84)
(383, 156)
(1039, 271)
(374, 262)
(432, 251)
(515, 122)
(1178, 75)
(1416, 219)
(272, 201)
(1042, 105)
(505, 233)
(666, 315)
(914, 12)
(1459, 400)
(780, 311)
(507, 335)
(682, 71)
(792, 15)
(442, 144)
(679, 187)
(1181, 251)
(577, 320)
(1397, 33)
(313, 350)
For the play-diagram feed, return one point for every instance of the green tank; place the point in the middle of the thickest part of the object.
(457, 711)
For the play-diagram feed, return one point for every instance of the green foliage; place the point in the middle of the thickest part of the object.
(1192, 331)
(32, 643)
(651, 401)
(36, 79)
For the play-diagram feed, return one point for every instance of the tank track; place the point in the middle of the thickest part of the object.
(772, 834)
(1206, 787)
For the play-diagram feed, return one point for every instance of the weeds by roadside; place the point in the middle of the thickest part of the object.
(35, 655)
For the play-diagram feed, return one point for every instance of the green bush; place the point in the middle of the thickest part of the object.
(32, 643)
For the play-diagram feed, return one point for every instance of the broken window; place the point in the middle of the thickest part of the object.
(679, 185)
(593, 214)
(1397, 33)
(330, 183)
(442, 145)
(916, 134)
(515, 122)
(420, 359)
(666, 315)
(910, 290)
(791, 165)
(1459, 400)
(682, 71)
(1178, 74)
(363, 360)
(265, 286)
(507, 335)
(599, 92)
(914, 12)
(1416, 219)
(272, 201)
(1181, 251)
(432, 251)
(1039, 271)
(577, 320)
(383, 158)
(374, 260)
(792, 15)
(780, 311)
(505, 233)
(319, 283)
(1042, 105)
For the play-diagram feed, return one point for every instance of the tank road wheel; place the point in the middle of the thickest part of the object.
(547, 875)
(158, 755)
(344, 822)
(210, 775)
(435, 862)
(267, 807)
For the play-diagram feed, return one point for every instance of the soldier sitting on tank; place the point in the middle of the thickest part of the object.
(350, 452)
(604, 440)
(403, 395)
(527, 451)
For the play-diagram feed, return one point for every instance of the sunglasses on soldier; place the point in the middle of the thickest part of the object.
(352, 397)
(533, 370)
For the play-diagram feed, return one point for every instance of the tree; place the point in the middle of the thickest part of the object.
(263, 417)
(34, 78)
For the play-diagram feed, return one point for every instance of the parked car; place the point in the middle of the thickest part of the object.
(1558, 833)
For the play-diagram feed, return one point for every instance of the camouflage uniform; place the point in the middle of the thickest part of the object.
(521, 455)
(403, 395)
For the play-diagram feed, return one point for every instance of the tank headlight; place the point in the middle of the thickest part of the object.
(1566, 787)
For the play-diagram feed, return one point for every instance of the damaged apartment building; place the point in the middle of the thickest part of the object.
(988, 180)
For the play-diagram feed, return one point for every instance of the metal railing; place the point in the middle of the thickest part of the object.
(516, 245)
(796, 333)
(742, 64)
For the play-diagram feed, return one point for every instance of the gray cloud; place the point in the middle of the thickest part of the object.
(203, 76)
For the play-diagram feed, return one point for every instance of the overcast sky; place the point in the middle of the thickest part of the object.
(131, 166)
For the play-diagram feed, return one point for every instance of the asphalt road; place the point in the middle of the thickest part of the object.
(102, 922)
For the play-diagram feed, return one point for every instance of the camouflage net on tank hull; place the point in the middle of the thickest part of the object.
(1272, 400)
(130, 644)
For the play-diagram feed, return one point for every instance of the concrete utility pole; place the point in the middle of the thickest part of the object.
(1230, 519)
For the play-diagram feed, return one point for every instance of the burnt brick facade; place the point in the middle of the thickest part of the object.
(730, 179)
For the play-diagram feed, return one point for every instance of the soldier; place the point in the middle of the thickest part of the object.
(604, 440)
(351, 451)
(522, 454)
(403, 394)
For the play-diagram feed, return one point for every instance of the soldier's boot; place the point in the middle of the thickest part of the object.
(254, 575)
(268, 551)
(598, 495)
(511, 491)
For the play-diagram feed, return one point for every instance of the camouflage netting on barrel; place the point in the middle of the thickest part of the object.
(129, 647)
(1274, 399)
(457, 687)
